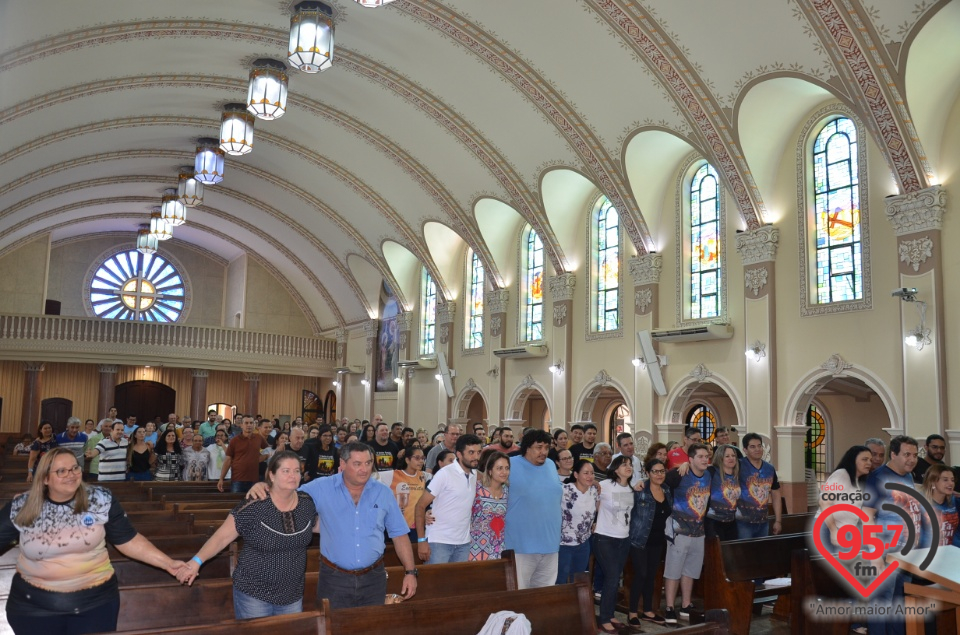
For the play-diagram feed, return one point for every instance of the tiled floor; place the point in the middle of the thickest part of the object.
(761, 625)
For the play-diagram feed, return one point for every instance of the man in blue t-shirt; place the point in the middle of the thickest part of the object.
(758, 486)
(691, 494)
(903, 459)
(532, 527)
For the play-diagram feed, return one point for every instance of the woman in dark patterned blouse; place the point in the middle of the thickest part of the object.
(64, 581)
(276, 532)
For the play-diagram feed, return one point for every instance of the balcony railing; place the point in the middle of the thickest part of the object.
(65, 338)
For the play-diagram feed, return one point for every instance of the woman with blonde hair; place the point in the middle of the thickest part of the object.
(938, 488)
(64, 581)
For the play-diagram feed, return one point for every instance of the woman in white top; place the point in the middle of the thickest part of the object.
(578, 510)
(611, 542)
(845, 485)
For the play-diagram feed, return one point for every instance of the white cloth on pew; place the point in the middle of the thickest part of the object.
(507, 623)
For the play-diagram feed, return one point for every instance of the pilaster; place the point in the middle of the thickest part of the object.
(198, 394)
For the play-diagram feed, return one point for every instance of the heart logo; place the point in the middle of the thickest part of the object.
(858, 586)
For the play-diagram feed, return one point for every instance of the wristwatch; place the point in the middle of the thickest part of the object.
(412, 572)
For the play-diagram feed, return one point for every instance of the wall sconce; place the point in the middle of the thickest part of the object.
(636, 361)
(494, 372)
(556, 368)
(336, 384)
(438, 377)
(397, 380)
(919, 336)
(758, 351)
(365, 381)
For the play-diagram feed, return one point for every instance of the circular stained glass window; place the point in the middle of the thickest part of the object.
(135, 286)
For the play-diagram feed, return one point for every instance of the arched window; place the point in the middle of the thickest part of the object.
(705, 244)
(703, 419)
(839, 260)
(532, 313)
(815, 455)
(474, 338)
(606, 270)
(135, 286)
(428, 315)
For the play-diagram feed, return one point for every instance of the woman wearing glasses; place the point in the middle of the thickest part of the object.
(653, 501)
(64, 581)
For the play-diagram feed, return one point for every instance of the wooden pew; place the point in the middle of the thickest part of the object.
(812, 578)
(210, 600)
(730, 568)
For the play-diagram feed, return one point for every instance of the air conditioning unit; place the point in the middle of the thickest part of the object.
(350, 370)
(528, 350)
(694, 333)
(426, 362)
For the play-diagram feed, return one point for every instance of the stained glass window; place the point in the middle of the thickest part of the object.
(704, 244)
(532, 330)
(837, 211)
(703, 419)
(815, 454)
(428, 315)
(607, 271)
(135, 286)
(475, 310)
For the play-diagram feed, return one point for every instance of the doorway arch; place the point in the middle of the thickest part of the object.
(144, 400)
(467, 408)
(702, 382)
(605, 394)
(518, 404)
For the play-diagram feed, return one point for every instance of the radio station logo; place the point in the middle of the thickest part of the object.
(860, 549)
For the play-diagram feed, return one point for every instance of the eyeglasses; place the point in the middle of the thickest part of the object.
(566, 458)
(64, 471)
(658, 471)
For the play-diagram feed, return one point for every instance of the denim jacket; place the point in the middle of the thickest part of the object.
(644, 508)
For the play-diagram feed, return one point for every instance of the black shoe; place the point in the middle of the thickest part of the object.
(670, 616)
(685, 611)
(656, 619)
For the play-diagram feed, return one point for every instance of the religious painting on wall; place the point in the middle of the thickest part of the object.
(388, 341)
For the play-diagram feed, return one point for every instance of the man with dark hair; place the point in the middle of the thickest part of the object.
(898, 470)
(396, 433)
(208, 429)
(584, 449)
(407, 436)
(684, 561)
(452, 491)
(935, 448)
(678, 455)
(758, 486)
(576, 434)
(243, 455)
(721, 436)
(385, 453)
(450, 435)
(506, 444)
(532, 522)
(112, 451)
(627, 448)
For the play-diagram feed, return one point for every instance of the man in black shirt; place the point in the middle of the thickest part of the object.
(384, 454)
(935, 448)
(306, 452)
(584, 449)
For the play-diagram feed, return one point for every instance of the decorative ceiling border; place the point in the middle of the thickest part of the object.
(569, 123)
(284, 282)
(638, 29)
(182, 244)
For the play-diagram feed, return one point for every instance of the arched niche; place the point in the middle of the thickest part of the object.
(521, 404)
(469, 403)
(598, 399)
(702, 385)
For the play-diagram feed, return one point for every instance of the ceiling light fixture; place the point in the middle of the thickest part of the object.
(236, 129)
(208, 166)
(172, 209)
(147, 243)
(189, 189)
(159, 227)
(267, 92)
(311, 37)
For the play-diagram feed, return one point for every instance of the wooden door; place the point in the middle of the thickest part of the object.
(144, 400)
(56, 410)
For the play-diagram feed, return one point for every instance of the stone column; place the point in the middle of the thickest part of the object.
(370, 330)
(198, 394)
(791, 440)
(108, 386)
(562, 287)
(339, 386)
(758, 249)
(495, 315)
(446, 318)
(404, 325)
(252, 401)
(30, 412)
(645, 271)
(917, 219)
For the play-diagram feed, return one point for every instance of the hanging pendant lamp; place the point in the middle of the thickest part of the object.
(236, 129)
(189, 189)
(208, 166)
(311, 37)
(147, 243)
(171, 209)
(267, 92)
(159, 228)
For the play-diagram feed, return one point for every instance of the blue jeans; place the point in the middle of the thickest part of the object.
(240, 487)
(572, 560)
(441, 553)
(888, 596)
(246, 607)
(345, 590)
(752, 530)
(99, 619)
(612, 554)
(140, 476)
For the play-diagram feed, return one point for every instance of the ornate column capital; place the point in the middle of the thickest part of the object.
(917, 211)
(446, 312)
(36, 367)
(370, 328)
(251, 377)
(758, 245)
(562, 286)
(496, 301)
(340, 335)
(646, 269)
(405, 321)
(108, 368)
(199, 372)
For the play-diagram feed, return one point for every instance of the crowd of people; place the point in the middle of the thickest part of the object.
(554, 499)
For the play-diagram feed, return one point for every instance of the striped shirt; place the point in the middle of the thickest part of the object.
(113, 460)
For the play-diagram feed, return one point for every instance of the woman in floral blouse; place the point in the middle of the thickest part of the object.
(490, 508)
(578, 511)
